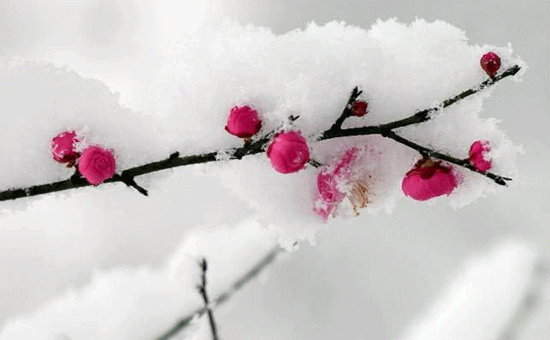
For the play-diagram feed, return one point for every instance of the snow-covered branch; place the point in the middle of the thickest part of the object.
(259, 145)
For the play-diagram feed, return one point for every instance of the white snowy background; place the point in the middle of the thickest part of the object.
(91, 270)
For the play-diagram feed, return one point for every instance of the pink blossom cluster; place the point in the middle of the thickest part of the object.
(95, 164)
(288, 152)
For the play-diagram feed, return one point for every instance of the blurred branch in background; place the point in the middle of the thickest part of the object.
(532, 299)
(204, 295)
(491, 298)
(252, 273)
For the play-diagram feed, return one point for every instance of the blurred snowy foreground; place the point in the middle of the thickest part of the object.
(491, 298)
(232, 212)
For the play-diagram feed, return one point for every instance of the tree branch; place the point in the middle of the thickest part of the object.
(252, 273)
(254, 147)
(202, 291)
(346, 113)
(430, 153)
(419, 116)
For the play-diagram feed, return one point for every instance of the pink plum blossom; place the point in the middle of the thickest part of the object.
(478, 155)
(63, 147)
(288, 152)
(490, 63)
(97, 165)
(243, 122)
(333, 177)
(428, 179)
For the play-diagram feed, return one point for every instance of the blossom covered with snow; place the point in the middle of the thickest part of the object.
(478, 155)
(340, 179)
(63, 147)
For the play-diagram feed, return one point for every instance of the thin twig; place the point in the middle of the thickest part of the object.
(258, 146)
(129, 181)
(346, 113)
(237, 285)
(419, 116)
(430, 153)
(202, 291)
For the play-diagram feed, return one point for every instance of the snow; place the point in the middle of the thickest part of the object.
(306, 72)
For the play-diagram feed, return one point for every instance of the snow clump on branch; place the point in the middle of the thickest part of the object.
(306, 74)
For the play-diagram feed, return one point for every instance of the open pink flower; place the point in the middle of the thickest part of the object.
(478, 153)
(288, 152)
(63, 147)
(243, 122)
(97, 165)
(339, 175)
(428, 179)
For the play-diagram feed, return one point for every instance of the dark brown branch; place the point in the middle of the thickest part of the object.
(419, 116)
(252, 273)
(426, 152)
(202, 291)
(129, 181)
(258, 146)
(346, 113)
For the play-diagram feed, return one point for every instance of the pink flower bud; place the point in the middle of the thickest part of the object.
(63, 150)
(288, 152)
(477, 157)
(428, 179)
(490, 63)
(359, 108)
(243, 122)
(97, 165)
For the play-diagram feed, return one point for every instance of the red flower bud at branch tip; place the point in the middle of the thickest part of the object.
(97, 165)
(490, 63)
(359, 108)
(243, 122)
(477, 155)
(288, 152)
(63, 147)
(428, 179)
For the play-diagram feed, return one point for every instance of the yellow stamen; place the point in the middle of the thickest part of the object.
(358, 196)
